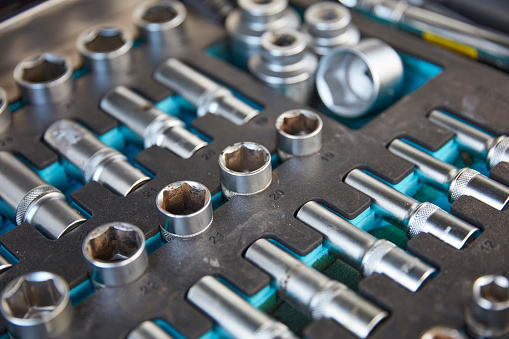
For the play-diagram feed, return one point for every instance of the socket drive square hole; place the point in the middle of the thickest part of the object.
(245, 158)
(159, 14)
(104, 40)
(183, 199)
(113, 243)
(495, 291)
(298, 123)
(44, 68)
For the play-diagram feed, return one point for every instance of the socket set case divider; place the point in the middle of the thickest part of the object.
(472, 91)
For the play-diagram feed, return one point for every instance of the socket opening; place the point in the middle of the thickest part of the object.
(104, 40)
(44, 68)
(34, 296)
(262, 2)
(159, 14)
(183, 198)
(113, 243)
(245, 157)
(298, 123)
(495, 291)
(442, 333)
(283, 39)
(328, 13)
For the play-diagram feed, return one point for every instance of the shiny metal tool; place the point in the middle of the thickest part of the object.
(116, 254)
(312, 292)
(105, 48)
(35, 201)
(96, 161)
(473, 140)
(329, 25)
(4, 264)
(410, 214)
(299, 133)
(148, 330)
(488, 312)
(284, 63)
(448, 178)
(205, 94)
(234, 314)
(154, 126)
(185, 209)
(245, 169)
(251, 19)
(5, 112)
(441, 332)
(353, 81)
(363, 251)
(37, 305)
(45, 78)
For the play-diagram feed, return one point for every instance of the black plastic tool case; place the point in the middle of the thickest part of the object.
(474, 92)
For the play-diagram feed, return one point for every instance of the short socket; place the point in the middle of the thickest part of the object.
(329, 25)
(488, 311)
(299, 133)
(441, 332)
(352, 81)
(245, 169)
(5, 112)
(45, 79)
(246, 25)
(185, 209)
(116, 254)
(105, 48)
(37, 305)
(147, 330)
(285, 64)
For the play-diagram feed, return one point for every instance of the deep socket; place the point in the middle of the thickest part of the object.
(362, 250)
(207, 95)
(154, 126)
(148, 330)
(35, 201)
(473, 140)
(313, 293)
(234, 314)
(410, 214)
(96, 161)
(447, 178)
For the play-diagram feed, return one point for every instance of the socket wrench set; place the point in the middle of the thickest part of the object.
(296, 170)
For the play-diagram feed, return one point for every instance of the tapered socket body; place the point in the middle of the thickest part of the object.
(362, 250)
(407, 212)
(312, 292)
(234, 314)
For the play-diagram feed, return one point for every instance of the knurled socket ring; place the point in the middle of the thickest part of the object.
(371, 261)
(498, 152)
(460, 183)
(31, 198)
(157, 127)
(417, 222)
(96, 161)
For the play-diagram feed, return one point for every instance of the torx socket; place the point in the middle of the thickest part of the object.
(105, 48)
(37, 305)
(245, 169)
(449, 179)
(154, 126)
(205, 94)
(234, 314)
(487, 314)
(116, 254)
(299, 133)
(185, 209)
(5, 112)
(363, 251)
(148, 330)
(35, 201)
(410, 214)
(312, 292)
(473, 140)
(96, 161)
(45, 79)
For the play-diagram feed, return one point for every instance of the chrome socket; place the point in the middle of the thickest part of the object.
(37, 305)
(4, 264)
(441, 332)
(205, 94)
(105, 48)
(234, 314)
(185, 209)
(246, 25)
(5, 112)
(313, 293)
(353, 81)
(45, 79)
(245, 169)
(408, 213)
(448, 178)
(96, 161)
(363, 251)
(284, 63)
(34, 201)
(116, 254)
(488, 312)
(473, 140)
(329, 25)
(147, 330)
(299, 133)
(154, 126)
